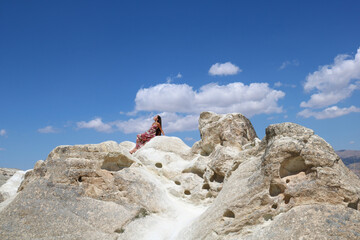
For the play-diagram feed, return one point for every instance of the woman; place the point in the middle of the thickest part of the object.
(155, 130)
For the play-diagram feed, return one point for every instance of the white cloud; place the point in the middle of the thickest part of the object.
(179, 105)
(333, 83)
(170, 79)
(352, 142)
(134, 125)
(224, 69)
(324, 99)
(278, 84)
(331, 112)
(171, 122)
(189, 139)
(288, 63)
(2, 132)
(256, 98)
(165, 97)
(177, 123)
(47, 129)
(2, 149)
(96, 124)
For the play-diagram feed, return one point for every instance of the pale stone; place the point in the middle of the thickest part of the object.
(6, 173)
(168, 144)
(227, 130)
(229, 185)
(318, 222)
(127, 145)
(293, 168)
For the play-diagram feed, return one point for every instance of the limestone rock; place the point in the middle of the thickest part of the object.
(72, 164)
(351, 159)
(76, 191)
(168, 157)
(44, 210)
(6, 173)
(291, 168)
(168, 144)
(227, 130)
(229, 185)
(310, 222)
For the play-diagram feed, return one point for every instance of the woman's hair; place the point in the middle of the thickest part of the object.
(158, 131)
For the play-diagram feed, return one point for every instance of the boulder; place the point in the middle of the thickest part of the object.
(6, 173)
(8, 189)
(291, 170)
(229, 185)
(233, 130)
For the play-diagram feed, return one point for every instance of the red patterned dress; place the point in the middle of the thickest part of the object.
(145, 137)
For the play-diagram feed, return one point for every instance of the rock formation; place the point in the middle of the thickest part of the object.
(351, 159)
(5, 174)
(10, 180)
(229, 185)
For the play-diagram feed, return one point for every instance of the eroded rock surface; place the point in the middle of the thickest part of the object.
(233, 130)
(6, 173)
(291, 168)
(229, 185)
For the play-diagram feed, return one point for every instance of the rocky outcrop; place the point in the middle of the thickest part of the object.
(232, 130)
(229, 185)
(5, 175)
(292, 169)
(351, 159)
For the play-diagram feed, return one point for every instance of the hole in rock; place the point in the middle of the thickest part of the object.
(196, 171)
(209, 195)
(116, 162)
(268, 217)
(287, 198)
(206, 186)
(287, 180)
(177, 183)
(229, 214)
(217, 178)
(293, 166)
(158, 165)
(205, 154)
(187, 192)
(142, 213)
(119, 230)
(276, 189)
(354, 205)
(80, 179)
(274, 206)
(305, 141)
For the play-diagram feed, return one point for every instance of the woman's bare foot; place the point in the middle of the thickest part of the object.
(132, 151)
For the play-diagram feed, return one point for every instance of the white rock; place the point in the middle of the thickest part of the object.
(229, 185)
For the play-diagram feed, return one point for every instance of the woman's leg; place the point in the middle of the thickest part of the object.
(138, 144)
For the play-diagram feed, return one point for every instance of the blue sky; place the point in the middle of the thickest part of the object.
(78, 72)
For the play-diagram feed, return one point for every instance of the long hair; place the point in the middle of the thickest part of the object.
(158, 131)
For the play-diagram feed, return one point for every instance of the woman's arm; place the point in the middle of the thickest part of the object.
(159, 126)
